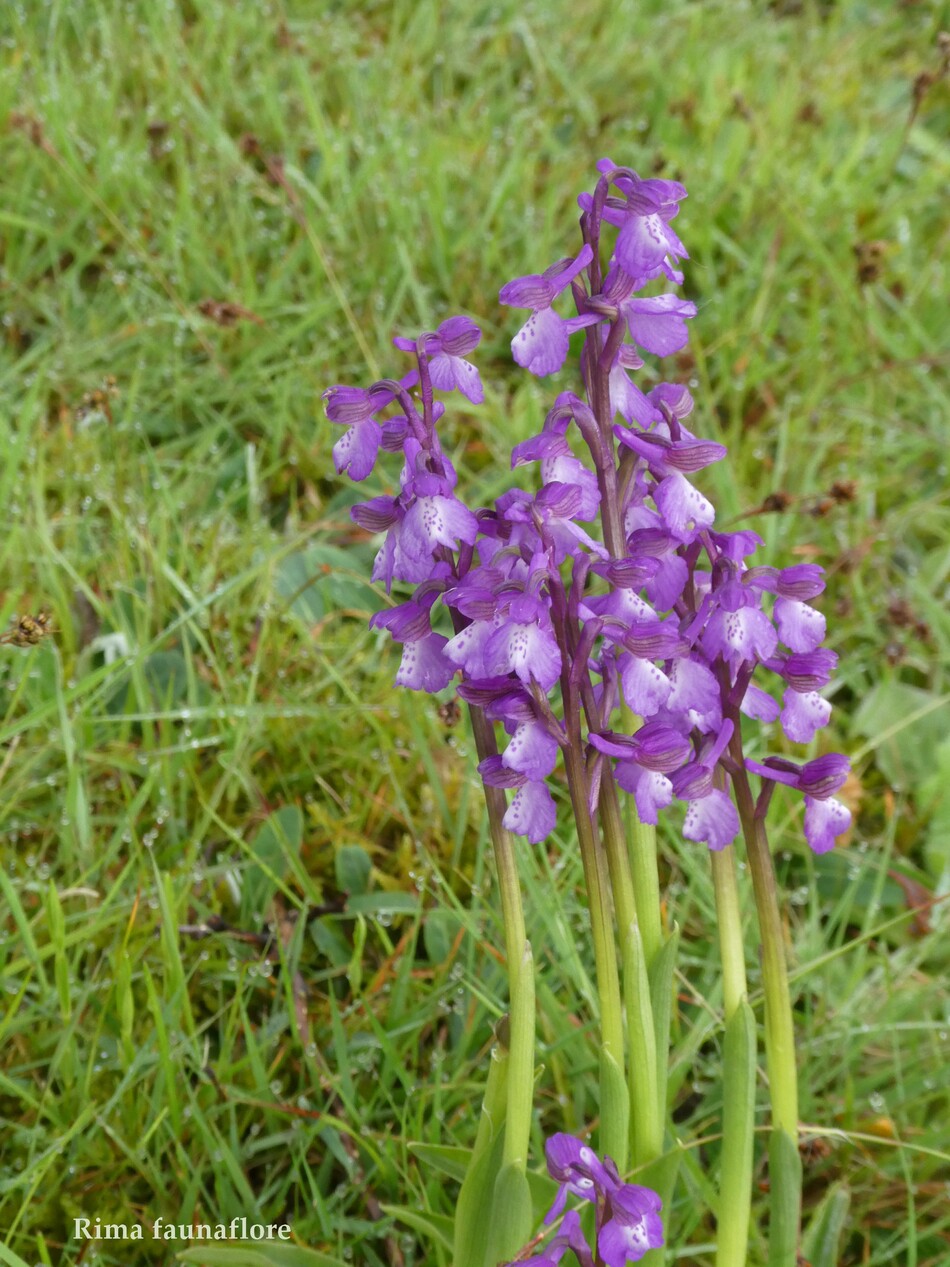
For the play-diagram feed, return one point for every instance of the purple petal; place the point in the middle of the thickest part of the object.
(468, 648)
(738, 636)
(659, 324)
(804, 713)
(800, 627)
(695, 692)
(634, 1227)
(628, 400)
(494, 774)
(549, 444)
(803, 581)
(646, 688)
(651, 790)
(541, 345)
(712, 819)
(682, 505)
(532, 291)
(668, 582)
(759, 705)
(525, 649)
(824, 820)
(448, 372)
(355, 451)
(459, 336)
(810, 670)
(641, 245)
(376, 515)
(567, 469)
(532, 751)
(423, 666)
(823, 776)
(532, 813)
(435, 521)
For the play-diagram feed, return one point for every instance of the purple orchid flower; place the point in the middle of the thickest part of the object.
(633, 1228)
(446, 351)
(541, 344)
(825, 816)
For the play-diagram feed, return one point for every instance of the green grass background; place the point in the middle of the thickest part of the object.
(212, 733)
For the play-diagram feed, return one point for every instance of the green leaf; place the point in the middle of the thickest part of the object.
(446, 1158)
(280, 834)
(165, 676)
(330, 941)
(257, 1254)
(904, 726)
(439, 933)
(661, 999)
(823, 1237)
(12, 1260)
(738, 1134)
(512, 1214)
(320, 579)
(935, 796)
(785, 1198)
(437, 1227)
(382, 903)
(647, 1120)
(353, 865)
(473, 1210)
(614, 1110)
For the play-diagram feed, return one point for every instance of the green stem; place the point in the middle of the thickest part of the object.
(519, 962)
(618, 860)
(641, 838)
(779, 1027)
(784, 1161)
(738, 1118)
(601, 916)
(729, 919)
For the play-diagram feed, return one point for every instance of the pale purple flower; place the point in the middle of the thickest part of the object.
(446, 351)
(541, 345)
(825, 816)
(658, 324)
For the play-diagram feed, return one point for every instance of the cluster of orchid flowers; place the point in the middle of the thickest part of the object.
(665, 615)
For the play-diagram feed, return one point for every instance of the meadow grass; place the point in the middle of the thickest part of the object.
(211, 741)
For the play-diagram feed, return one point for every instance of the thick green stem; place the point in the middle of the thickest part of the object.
(738, 1118)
